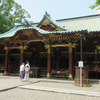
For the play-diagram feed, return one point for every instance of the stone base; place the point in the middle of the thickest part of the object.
(85, 82)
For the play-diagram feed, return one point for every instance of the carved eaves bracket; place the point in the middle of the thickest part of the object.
(16, 47)
(70, 45)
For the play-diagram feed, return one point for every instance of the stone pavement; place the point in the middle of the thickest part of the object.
(50, 85)
(64, 88)
(10, 82)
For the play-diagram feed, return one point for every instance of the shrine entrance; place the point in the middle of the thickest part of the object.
(36, 54)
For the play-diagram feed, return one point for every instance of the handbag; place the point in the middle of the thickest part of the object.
(26, 70)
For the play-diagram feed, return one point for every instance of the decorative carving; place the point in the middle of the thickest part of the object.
(5, 48)
(48, 27)
(49, 48)
(17, 47)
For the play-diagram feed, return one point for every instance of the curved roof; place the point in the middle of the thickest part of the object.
(13, 31)
(73, 25)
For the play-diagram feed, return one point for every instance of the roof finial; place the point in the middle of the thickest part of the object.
(47, 14)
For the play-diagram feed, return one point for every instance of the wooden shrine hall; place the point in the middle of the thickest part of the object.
(53, 45)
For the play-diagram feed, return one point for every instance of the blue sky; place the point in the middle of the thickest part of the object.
(58, 9)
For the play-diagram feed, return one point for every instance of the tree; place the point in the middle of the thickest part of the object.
(97, 4)
(11, 13)
(3, 23)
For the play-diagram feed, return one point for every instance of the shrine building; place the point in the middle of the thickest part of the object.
(53, 45)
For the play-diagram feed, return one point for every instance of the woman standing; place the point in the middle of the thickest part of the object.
(27, 69)
(22, 67)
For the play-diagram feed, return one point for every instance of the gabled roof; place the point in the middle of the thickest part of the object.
(90, 23)
(52, 21)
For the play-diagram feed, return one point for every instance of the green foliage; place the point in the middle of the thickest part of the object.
(97, 4)
(11, 13)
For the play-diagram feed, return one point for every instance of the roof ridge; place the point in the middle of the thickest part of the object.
(79, 17)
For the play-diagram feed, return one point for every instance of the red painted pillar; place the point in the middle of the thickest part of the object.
(6, 59)
(48, 61)
(21, 54)
(70, 63)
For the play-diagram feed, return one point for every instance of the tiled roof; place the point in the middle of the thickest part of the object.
(89, 23)
(13, 31)
(73, 25)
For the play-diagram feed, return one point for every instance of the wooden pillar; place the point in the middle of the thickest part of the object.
(21, 54)
(96, 57)
(48, 61)
(6, 59)
(70, 63)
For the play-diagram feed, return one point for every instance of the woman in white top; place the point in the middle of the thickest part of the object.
(27, 69)
(22, 67)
